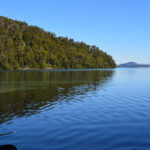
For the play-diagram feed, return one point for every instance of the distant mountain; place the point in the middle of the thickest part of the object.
(132, 65)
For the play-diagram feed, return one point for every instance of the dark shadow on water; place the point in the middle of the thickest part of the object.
(27, 93)
(7, 147)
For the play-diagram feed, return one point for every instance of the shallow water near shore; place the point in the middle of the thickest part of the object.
(76, 109)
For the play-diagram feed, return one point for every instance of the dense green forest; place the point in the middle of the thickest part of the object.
(23, 46)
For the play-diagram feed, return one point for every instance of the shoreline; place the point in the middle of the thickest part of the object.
(28, 70)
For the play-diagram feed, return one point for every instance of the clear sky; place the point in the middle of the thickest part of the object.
(119, 27)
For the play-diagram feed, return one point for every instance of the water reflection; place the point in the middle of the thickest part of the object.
(26, 93)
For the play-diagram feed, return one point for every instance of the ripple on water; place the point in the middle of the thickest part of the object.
(92, 111)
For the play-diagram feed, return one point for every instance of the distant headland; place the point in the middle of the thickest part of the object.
(132, 65)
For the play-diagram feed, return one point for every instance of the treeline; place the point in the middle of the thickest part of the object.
(23, 46)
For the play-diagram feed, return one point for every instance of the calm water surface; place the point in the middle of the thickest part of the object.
(76, 110)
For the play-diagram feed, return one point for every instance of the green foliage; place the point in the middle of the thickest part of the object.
(23, 46)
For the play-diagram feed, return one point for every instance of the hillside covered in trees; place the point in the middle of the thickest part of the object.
(23, 46)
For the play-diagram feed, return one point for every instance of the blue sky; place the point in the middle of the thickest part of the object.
(119, 27)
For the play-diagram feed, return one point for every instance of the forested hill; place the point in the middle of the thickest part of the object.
(23, 46)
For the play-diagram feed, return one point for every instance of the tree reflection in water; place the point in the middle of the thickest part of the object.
(26, 93)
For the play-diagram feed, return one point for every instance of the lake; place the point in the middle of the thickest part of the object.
(76, 109)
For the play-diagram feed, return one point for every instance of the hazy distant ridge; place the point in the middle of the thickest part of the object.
(133, 64)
